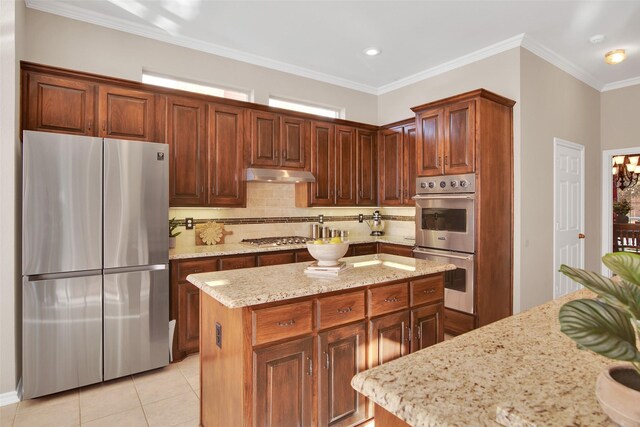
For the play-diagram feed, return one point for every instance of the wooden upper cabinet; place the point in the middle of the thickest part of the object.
(126, 114)
(366, 168)
(294, 142)
(282, 382)
(345, 165)
(186, 138)
(460, 137)
(409, 142)
(322, 191)
(224, 147)
(390, 159)
(430, 147)
(342, 355)
(57, 104)
(265, 144)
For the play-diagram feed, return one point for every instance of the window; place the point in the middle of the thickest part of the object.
(334, 113)
(172, 83)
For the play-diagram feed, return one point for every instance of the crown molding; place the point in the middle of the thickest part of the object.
(552, 57)
(478, 55)
(520, 40)
(620, 84)
(76, 13)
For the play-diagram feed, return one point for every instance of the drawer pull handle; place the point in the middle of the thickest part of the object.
(429, 291)
(392, 299)
(310, 371)
(287, 323)
(345, 310)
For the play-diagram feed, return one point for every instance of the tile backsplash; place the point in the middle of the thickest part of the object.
(271, 211)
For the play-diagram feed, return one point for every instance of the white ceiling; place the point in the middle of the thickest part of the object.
(325, 39)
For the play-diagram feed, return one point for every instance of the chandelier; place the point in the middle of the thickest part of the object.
(625, 171)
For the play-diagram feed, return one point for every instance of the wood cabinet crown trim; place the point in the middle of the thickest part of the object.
(478, 93)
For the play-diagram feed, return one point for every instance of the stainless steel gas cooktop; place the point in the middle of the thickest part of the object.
(276, 241)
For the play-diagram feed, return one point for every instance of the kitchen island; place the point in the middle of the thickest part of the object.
(279, 347)
(520, 371)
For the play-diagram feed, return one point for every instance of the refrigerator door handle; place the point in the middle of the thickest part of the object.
(119, 270)
(65, 275)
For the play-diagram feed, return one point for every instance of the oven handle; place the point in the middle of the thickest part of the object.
(444, 196)
(420, 251)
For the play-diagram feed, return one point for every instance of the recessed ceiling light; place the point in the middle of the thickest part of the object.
(615, 56)
(371, 51)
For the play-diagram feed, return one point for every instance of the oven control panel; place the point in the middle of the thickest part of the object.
(446, 184)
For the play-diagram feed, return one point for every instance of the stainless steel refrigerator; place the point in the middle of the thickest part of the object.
(94, 260)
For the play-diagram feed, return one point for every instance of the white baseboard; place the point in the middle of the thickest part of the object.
(12, 396)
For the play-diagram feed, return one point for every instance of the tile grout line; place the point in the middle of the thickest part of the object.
(146, 419)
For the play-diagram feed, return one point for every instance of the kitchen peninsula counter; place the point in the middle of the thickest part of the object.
(520, 371)
(260, 285)
(203, 251)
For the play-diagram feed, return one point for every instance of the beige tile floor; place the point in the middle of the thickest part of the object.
(164, 397)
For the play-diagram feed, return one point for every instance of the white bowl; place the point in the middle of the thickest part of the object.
(328, 254)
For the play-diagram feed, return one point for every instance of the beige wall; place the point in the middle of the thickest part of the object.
(63, 42)
(619, 115)
(11, 39)
(554, 104)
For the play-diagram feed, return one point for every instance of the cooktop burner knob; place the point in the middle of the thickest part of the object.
(463, 183)
(424, 185)
(443, 184)
(432, 184)
(454, 183)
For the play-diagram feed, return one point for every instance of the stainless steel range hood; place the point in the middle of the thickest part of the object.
(278, 175)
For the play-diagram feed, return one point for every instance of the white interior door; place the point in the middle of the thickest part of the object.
(568, 213)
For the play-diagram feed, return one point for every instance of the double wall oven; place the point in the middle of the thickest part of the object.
(445, 232)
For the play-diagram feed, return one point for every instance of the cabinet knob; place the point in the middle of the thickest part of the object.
(581, 236)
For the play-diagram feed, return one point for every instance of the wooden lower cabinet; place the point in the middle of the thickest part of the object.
(389, 338)
(402, 250)
(283, 379)
(263, 366)
(189, 315)
(341, 355)
(427, 326)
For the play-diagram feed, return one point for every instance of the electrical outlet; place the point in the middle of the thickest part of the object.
(321, 219)
(219, 335)
(360, 217)
(188, 223)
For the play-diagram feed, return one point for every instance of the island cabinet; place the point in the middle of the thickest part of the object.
(397, 164)
(277, 140)
(290, 363)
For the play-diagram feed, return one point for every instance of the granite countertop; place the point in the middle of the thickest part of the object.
(237, 248)
(259, 285)
(520, 371)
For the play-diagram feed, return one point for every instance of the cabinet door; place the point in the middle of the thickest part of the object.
(363, 249)
(366, 167)
(188, 313)
(460, 138)
(225, 156)
(282, 382)
(56, 104)
(186, 138)
(264, 138)
(410, 165)
(345, 165)
(390, 160)
(341, 355)
(322, 164)
(389, 338)
(427, 326)
(126, 114)
(429, 149)
(294, 142)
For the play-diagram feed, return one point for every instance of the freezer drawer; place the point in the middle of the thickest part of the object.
(61, 203)
(136, 321)
(136, 202)
(62, 334)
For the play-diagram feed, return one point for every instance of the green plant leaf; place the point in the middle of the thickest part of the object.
(625, 265)
(623, 295)
(601, 328)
